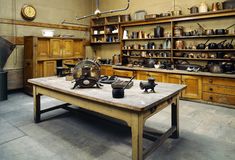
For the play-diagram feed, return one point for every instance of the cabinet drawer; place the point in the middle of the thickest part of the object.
(219, 98)
(123, 73)
(159, 77)
(106, 70)
(219, 89)
(219, 81)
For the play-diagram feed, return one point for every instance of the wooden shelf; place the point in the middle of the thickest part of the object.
(146, 49)
(146, 39)
(204, 50)
(94, 43)
(112, 24)
(98, 26)
(203, 59)
(188, 17)
(147, 57)
(206, 36)
(97, 35)
(111, 33)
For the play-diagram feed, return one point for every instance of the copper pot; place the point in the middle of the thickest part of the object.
(215, 6)
(179, 44)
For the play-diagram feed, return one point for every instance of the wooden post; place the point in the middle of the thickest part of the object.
(37, 105)
(175, 117)
(137, 136)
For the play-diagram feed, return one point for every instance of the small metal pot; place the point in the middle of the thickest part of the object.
(229, 45)
(215, 68)
(202, 45)
(176, 13)
(118, 92)
(212, 46)
(210, 32)
(193, 10)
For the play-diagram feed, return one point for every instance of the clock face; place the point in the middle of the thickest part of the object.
(28, 12)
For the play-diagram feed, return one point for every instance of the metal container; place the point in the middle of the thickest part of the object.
(126, 18)
(179, 44)
(178, 31)
(193, 10)
(151, 16)
(228, 4)
(3, 85)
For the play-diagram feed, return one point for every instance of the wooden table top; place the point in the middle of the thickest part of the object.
(134, 99)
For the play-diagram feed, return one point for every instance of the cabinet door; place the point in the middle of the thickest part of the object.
(123, 73)
(43, 48)
(79, 49)
(194, 87)
(49, 68)
(174, 78)
(55, 48)
(67, 48)
(159, 77)
(109, 71)
(106, 70)
(141, 75)
(39, 69)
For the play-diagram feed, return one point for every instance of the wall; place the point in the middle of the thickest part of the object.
(152, 7)
(48, 11)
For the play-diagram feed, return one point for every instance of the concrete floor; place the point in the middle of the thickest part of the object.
(206, 133)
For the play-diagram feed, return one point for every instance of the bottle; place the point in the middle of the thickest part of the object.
(203, 7)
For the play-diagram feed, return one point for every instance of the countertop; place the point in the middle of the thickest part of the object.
(176, 71)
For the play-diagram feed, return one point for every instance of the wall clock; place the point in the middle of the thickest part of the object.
(28, 12)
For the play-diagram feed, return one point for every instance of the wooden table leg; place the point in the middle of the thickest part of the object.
(137, 137)
(175, 118)
(37, 106)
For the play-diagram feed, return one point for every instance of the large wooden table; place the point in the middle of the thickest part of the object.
(134, 109)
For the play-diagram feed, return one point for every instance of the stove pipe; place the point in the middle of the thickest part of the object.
(6, 49)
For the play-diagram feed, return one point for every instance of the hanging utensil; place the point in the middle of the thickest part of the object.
(223, 31)
(229, 45)
(202, 45)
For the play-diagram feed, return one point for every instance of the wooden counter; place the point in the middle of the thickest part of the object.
(212, 88)
(175, 71)
(134, 109)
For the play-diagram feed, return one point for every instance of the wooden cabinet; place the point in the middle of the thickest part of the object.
(106, 70)
(61, 48)
(219, 90)
(43, 50)
(159, 77)
(194, 85)
(67, 48)
(49, 68)
(174, 78)
(142, 75)
(42, 55)
(79, 48)
(123, 73)
(55, 48)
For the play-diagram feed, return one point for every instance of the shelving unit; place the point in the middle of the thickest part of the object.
(168, 23)
(105, 30)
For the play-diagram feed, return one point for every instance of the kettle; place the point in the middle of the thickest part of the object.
(203, 7)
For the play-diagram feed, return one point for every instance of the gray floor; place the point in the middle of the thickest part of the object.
(206, 133)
